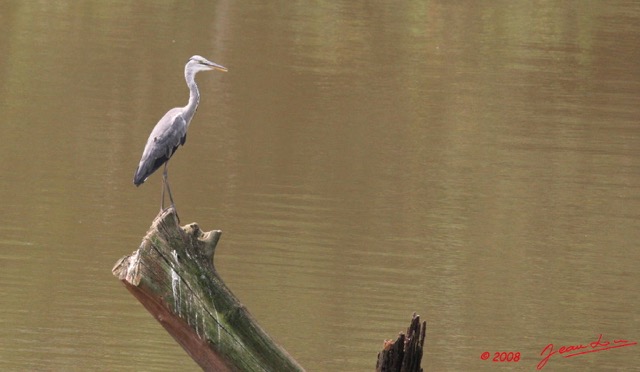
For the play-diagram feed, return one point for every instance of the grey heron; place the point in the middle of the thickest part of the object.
(171, 130)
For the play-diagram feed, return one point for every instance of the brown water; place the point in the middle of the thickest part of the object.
(478, 163)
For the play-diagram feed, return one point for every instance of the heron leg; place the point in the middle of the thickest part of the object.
(164, 181)
(165, 184)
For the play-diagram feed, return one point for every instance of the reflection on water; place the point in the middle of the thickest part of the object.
(474, 163)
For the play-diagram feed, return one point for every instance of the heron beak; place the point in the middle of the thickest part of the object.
(215, 66)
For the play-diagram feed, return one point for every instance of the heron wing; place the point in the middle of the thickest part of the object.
(166, 136)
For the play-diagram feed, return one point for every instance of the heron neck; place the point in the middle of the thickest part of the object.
(194, 97)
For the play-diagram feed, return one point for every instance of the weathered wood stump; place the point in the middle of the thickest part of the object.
(405, 354)
(173, 275)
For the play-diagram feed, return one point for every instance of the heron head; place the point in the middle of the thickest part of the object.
(199, 63)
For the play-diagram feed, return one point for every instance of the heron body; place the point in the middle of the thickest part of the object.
(171, 130)
(161, 145)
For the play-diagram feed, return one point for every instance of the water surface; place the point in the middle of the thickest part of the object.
(475, 163)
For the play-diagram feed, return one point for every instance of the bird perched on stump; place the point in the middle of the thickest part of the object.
(171, 130)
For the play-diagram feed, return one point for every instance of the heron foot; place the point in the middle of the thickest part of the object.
(162, 210)
(176, 212)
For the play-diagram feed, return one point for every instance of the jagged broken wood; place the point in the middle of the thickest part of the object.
(405, 354)
(173, 275)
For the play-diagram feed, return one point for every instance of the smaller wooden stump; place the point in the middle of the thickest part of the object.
(405, 354)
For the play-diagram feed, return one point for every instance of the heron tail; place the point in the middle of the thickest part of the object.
(139, 177)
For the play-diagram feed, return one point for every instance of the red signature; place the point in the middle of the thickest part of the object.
(575, 350)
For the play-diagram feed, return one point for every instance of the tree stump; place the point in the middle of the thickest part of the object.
(405, 354)
(173, 276)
